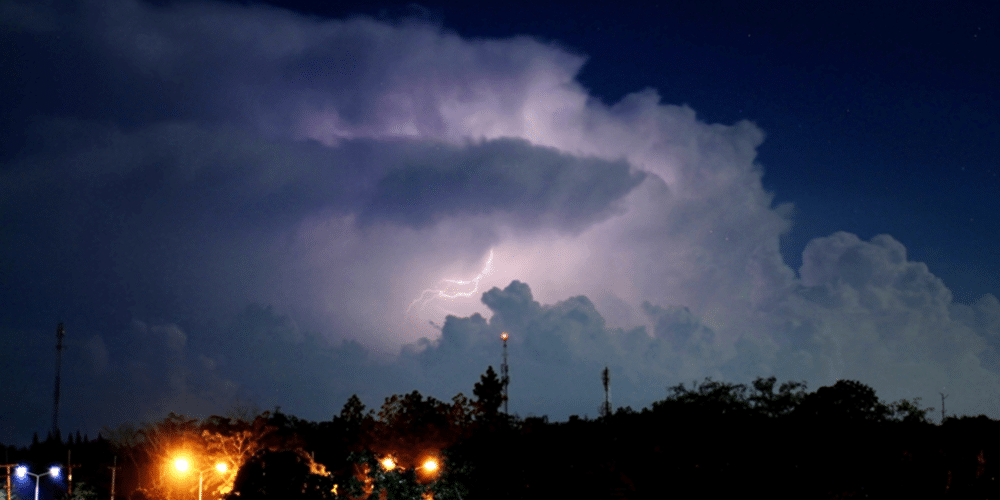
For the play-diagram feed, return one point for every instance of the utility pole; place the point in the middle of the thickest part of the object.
(113, 469)
(6, 455)
(504, 371)
(10, 493)
(60, 333)
(69, 472)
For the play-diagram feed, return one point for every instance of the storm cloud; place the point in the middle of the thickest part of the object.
(252, 205)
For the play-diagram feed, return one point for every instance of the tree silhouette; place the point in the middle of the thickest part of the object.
(282, 474)
(353, 412)
(709, 400)
(847, 401)
(769, 404)
(489, 395)
(910, 412)
(410, 427)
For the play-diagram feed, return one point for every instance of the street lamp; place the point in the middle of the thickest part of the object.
(23, 471)
(428, 469)
(182, 466)
(430, 466)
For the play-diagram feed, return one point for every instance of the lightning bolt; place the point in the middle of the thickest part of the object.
(430, 294)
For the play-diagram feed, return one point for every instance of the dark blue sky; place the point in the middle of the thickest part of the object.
(289, 203)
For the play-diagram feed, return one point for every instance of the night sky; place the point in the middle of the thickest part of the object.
(247, 204)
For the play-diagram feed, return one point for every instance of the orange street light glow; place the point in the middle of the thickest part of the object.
(430, 465)
(181, 464)
(388, 463)
(221, 467)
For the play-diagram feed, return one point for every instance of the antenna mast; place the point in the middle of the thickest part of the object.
(60, 333)
(943, 395)
(606, 379)
(504, 371)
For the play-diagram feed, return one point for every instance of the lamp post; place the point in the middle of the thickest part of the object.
(182, 466)
(22, 471)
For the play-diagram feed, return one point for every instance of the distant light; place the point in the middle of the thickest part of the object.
(388, 463)
(430, 465)
(221, 467)
(181, 464)
(54, 471)
(21, 471)
(503, 336)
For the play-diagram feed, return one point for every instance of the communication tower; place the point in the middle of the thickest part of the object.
(60, 333)
(504, 370)
(606, 379)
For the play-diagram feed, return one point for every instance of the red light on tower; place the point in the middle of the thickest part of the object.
(503, 336)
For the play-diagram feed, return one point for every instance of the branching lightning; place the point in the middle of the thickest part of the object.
(430, 294)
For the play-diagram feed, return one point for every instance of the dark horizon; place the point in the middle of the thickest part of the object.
(468, 447)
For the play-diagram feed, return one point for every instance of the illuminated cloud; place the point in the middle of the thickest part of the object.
(862, 310)
(209, 157)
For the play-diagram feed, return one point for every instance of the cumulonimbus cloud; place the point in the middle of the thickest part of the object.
(208, 156)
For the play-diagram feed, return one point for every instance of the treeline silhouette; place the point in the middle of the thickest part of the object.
(708, 439)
